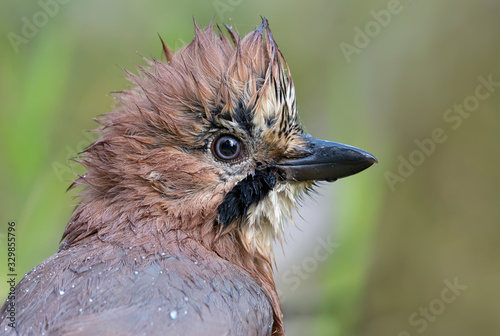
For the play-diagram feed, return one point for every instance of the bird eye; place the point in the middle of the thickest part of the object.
(227, 148)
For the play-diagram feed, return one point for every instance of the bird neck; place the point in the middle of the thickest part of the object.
(152, 230)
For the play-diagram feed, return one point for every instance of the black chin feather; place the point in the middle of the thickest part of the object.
(251, 190)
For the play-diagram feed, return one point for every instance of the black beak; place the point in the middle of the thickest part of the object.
(326, 161)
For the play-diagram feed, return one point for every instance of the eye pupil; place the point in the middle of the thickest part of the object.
(227, 148)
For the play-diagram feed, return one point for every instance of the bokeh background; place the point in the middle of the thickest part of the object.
(409, 247)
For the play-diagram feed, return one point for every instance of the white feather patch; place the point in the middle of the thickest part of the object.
(265, 221)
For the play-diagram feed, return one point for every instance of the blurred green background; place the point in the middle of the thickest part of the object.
(418, 248)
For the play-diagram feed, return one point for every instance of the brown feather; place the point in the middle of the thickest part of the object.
(167, 52)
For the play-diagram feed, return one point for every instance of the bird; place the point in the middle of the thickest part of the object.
(196, 171)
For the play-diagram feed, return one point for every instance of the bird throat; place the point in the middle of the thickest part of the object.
(249, 191)
(258, 206)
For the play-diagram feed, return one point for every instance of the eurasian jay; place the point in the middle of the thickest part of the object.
(196, 170)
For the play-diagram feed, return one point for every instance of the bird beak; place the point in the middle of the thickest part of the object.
(326, 161)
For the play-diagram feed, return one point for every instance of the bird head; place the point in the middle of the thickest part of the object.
(209, 143)
(210, 137)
